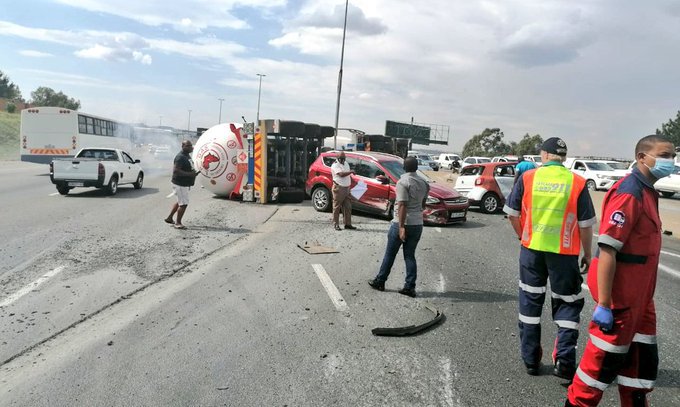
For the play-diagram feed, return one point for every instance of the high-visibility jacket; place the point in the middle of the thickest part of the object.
(549, 216)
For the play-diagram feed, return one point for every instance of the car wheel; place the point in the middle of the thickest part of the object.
(63, 189)
(112, 188)
(490, 203)
(591, 185)
(321, 199)
(140, 181)
(667, 194)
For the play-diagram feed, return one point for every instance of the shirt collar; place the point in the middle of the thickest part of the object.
(642, 178)
(552, 163)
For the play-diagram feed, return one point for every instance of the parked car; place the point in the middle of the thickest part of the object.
(486, 185)
(536, 159)
(446, 160)
(425, 160)
(620, 168)
(96, 167)
(373, 187)
(599, 176)
(474, 160)
(504, 159)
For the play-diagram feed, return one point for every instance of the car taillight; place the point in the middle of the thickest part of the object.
(51, 168)
(479, 181)
(100, 170)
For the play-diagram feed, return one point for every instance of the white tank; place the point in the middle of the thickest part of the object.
(221, 154)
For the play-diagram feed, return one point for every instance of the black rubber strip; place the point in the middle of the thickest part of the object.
(411, 329)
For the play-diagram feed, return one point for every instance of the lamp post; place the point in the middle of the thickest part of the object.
(189, 122)
(342, 59)
(259, 93)
(221, 100)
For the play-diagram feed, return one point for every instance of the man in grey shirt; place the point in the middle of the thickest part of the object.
(406, 228)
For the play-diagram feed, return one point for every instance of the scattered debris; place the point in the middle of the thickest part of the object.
(412, 329)
(316, 248)
(110, 343)
(668, 232)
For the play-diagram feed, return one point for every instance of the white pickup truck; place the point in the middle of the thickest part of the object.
(598, 175)
(96, 167)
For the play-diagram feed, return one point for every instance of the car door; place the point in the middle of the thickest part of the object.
(370, 194)
(505, 178)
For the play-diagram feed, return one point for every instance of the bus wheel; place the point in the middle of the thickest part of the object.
(140, 181)
(113, 185)
(63, 189)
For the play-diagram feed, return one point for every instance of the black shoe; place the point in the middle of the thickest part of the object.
(564, 372)
(336, 227)
(533, 370)
(411, 292)
(350, 227)
(377, 285)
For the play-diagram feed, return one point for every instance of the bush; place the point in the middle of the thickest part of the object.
(11, 108)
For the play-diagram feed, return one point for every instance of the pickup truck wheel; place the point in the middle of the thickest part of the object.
(490, 203)
(667, 194)
(591, 185)
(140, 181)
(321, 199)
(63, 189)
(113, 185)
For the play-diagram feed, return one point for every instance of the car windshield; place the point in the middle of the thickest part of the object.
(396, 169)
(599, 167)
(424, 157)
(617, 165)
(484, 160)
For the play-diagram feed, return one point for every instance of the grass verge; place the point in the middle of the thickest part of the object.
(9, 136)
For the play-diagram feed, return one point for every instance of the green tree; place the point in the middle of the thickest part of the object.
(489, 143)
(8, 89)
(44, 96)
(671, 130)
(529, 145)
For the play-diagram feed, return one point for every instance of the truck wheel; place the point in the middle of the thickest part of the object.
(667, 194)
(321, 199)
(591, 185)
(490, 203)
(140, 181)
(63, 189)
(112, 188)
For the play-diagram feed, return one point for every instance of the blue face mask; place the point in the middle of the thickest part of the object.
(663, 167)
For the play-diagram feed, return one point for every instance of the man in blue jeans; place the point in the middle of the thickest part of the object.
(406, 228)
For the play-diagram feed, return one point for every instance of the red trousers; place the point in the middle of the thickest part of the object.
(628, 353)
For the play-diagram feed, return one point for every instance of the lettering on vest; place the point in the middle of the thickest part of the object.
(550, 187)
(569, 225)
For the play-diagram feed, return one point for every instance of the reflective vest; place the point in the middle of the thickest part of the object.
(549, 210)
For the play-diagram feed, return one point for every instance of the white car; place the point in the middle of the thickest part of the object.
(504, 159)
(446, 160)
(474, 160)
(599, 176)
(536, 159)
(620, 168)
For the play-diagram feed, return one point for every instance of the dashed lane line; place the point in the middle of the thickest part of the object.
(31, 286)
(438, 229)
(669, 270)
(53, 194)
(331, 289)
(441, 288)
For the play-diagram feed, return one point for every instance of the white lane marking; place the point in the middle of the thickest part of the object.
(585, 287)
(442, 284)
(53, 194)
(438, 229)
(171, 194)
(669, 270)
(669, 253)
(31, 286)
(331, 289)
(449, 398)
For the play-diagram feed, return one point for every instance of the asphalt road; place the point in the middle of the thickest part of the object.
(231, 312)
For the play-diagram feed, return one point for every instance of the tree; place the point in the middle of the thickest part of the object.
(44, 96)
(488, 143)
(8, 89)
(529, 145)
(671, 130)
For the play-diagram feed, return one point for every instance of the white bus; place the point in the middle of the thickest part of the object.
(50, 132)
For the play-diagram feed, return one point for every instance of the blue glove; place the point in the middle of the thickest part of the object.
(604, 318)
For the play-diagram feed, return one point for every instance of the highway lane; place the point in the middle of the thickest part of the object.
(252, 324)
(183, 324)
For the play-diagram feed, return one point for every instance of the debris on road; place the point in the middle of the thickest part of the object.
(316, 248)
(411, 329)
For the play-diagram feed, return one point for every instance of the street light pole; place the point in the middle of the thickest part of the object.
(189, 122)
(259, 93)
(342, 59)
(221, 100)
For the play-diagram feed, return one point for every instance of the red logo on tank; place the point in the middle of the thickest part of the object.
(209, 159)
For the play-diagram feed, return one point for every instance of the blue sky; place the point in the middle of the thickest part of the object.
(598, 73)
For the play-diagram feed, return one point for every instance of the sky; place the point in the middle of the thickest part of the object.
(598, 73)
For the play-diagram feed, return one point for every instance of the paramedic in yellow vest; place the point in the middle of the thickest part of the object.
(552, 214)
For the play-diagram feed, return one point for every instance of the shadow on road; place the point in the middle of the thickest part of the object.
(211, 228)
(124, 192)
(668, 378)
(470, 296)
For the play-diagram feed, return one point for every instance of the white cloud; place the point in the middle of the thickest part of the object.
(35, 54)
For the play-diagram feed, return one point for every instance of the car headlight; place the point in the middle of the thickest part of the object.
(432, 200)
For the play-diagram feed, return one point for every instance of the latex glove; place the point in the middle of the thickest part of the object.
(604, 318)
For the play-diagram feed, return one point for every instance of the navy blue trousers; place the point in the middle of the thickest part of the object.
(535, 268)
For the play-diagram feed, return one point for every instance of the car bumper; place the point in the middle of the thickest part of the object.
(474, 195)
(445, 214)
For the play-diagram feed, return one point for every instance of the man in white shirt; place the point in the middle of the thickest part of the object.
(341, 183)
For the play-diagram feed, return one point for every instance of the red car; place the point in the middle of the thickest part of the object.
(487, 185)
(373, 188)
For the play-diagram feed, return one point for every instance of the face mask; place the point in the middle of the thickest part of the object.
(663, 167)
